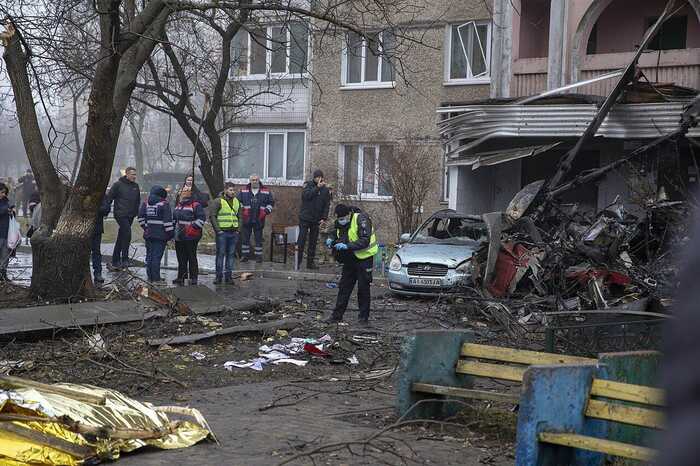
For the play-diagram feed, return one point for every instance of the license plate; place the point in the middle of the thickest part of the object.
(425, 281)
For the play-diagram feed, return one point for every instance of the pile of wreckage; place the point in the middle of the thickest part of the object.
(571, 260)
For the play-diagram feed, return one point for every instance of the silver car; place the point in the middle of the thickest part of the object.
(436, 258)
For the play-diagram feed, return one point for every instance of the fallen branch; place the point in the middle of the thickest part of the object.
(283, 324)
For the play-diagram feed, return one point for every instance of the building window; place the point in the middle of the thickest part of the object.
(671, 36)
(364, 170)
(367, 63)
(272, 154)
(469, 46)
(271, 51)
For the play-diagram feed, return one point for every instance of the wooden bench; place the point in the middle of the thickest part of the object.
(511, 366)
(570, 416)
(444, 364)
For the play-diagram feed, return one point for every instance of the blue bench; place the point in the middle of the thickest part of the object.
(580, 414)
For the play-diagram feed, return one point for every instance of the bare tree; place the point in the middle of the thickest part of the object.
(108, 42)
(410, 170)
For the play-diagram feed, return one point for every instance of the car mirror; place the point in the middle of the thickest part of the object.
(404, 238)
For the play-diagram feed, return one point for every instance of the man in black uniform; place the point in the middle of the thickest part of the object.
(355, 246)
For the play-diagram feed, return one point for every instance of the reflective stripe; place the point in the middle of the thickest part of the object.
(155, 222)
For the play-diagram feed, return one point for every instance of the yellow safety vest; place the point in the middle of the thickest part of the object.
(228, 215)
(354, 235)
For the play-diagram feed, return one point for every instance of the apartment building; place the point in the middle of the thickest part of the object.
(495, 148)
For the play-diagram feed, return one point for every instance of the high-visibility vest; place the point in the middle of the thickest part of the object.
(228, 214)
(354, 235)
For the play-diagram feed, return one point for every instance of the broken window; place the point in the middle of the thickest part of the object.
(274, 50)
(363, 166)
(470, 51)
(366, 61)
(275, 155)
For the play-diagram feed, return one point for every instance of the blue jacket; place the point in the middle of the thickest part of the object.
(5, 208)
(189, 218)
(255, 207)
(102, 212)
(155, 216)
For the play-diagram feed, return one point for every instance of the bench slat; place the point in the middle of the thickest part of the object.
(465, 393)
(517, 356)
(609, 447)
(495, 371)
(627, 392)
(626, 414)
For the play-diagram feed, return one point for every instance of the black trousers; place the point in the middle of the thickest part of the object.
(308, 231)
(120, 256)
(360, 272)
(187, 265)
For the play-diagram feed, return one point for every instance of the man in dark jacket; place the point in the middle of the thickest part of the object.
(6, 212)
(315, 201)
(156, 219)
(27, 184)
(256, 204)
(355, 246)
(126, 195)
(96, 241)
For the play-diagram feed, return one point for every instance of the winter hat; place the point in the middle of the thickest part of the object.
(159, 191)
(341, 210)
(229, 184)
(318, 173)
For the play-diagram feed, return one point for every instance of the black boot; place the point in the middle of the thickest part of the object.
(311, 265)
(179, 282)
(218, 280)
(333, 319)
(228, 279)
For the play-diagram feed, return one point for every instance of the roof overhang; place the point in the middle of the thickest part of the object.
(465, 127)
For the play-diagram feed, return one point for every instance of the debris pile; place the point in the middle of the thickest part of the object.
(572, 260)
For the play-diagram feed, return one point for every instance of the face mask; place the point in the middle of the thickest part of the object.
(343, 221)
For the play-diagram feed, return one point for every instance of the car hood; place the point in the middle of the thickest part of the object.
(450, 255)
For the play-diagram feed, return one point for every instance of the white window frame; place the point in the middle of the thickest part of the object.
(273, 181)
(448, 56)
(268, 57)
(378, 84)
(360, 170)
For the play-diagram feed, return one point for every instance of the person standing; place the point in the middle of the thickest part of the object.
(189, 219)
(7, 211)
(126, 195)
(355, 246)
(315, 202)
(256, 203)
(27, 185)
(224, 215)
(156, 219)
(197, 195)
(96, 240)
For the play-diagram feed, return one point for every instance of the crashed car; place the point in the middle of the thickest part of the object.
(436, 257)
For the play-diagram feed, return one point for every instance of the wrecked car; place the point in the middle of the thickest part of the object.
(436, 258)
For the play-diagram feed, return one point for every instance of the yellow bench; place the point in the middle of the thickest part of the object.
(557, 412)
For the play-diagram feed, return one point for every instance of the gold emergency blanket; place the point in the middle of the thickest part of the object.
(66, 424)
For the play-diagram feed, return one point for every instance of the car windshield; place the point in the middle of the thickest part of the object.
(458, 231)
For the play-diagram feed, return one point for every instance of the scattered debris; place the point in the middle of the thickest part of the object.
(162, 299)
(251, 328)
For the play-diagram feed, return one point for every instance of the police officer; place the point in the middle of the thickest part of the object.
(355, 245)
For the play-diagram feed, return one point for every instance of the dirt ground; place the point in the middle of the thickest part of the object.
(177, 374)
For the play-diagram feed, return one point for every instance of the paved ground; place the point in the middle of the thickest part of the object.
(249, 437)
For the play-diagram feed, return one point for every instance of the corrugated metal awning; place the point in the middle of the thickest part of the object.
(465, 127)
(485, 159)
